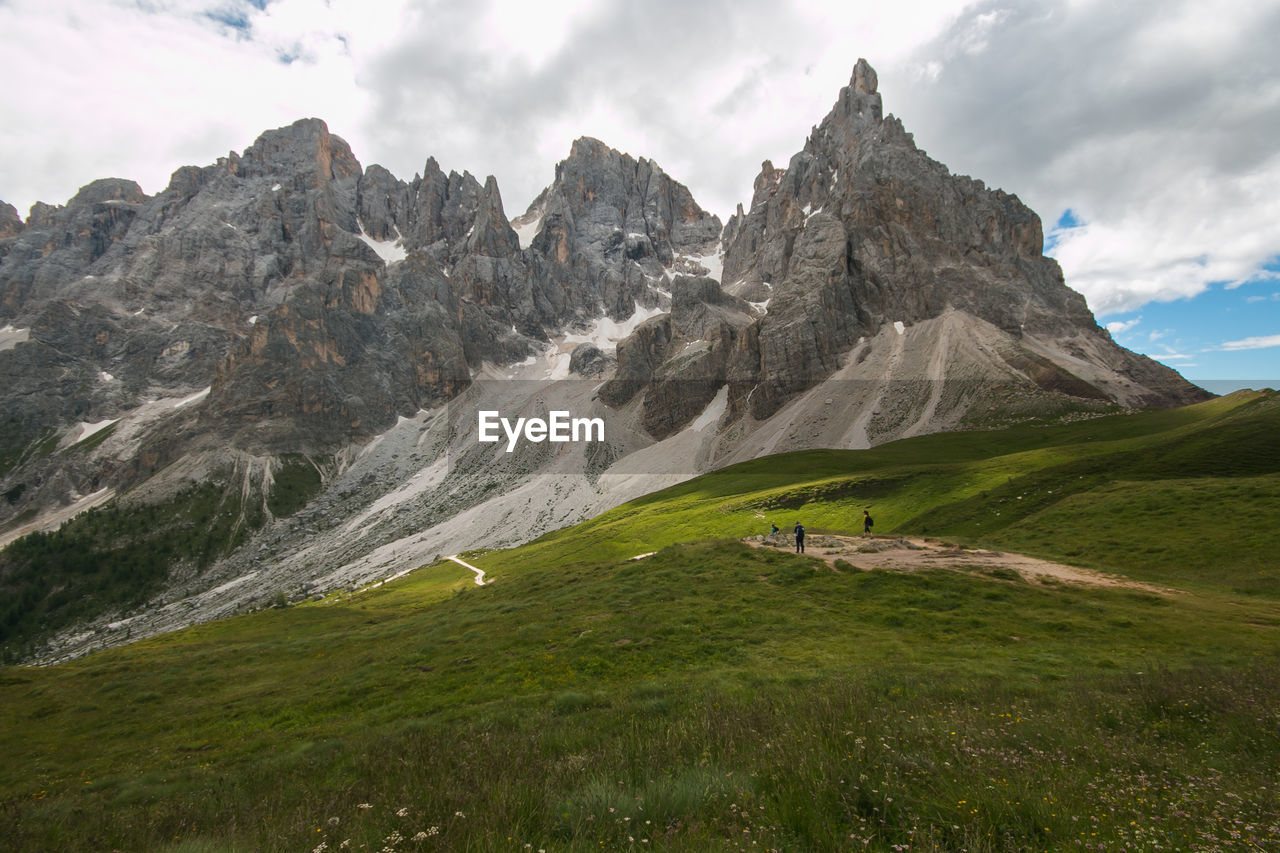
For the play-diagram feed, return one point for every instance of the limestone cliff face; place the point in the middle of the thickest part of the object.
(315, 300)
(607, 230)
(862, 229)
(285, 300)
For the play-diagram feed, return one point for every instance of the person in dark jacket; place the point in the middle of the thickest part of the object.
(866, 523)
(799, 531)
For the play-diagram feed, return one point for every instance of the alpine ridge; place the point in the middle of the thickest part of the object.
(286, 351)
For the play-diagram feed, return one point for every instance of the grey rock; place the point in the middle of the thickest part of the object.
(10, 222)
(588, 360)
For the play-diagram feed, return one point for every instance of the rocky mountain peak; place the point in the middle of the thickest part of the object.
(862, 230)
(491, 234)
(304, 147)
(864, 80)
(107, 190)
(654, 215)
(10, 222)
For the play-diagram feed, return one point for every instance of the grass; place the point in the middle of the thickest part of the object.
(295, 482)
(109, 559)
(114, 558)
(714, 696)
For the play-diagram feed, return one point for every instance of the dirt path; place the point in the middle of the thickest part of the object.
(479, 572)
(907, 555)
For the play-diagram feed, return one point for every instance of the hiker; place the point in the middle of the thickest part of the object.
(774, 531)
(866, 523)
(799, 531)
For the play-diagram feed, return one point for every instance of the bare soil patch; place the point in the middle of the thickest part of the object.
(910, 554)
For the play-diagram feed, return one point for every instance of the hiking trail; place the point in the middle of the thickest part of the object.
(910, 554)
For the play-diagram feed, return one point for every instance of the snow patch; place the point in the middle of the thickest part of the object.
(194, 398)
(275, 188)
(560, 366)
(525, 232)
(391, 251)
(606, 333)
(86, 429)
(762, 307)
(253, 321)
(899, 327)
(713, 412)
(11, 337)
(713, 262)
(103, 376)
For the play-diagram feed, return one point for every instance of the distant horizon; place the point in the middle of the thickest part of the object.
(1222, 387)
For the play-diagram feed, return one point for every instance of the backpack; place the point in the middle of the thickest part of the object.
(870, 522)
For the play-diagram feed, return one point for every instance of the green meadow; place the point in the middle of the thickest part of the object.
(712, 696)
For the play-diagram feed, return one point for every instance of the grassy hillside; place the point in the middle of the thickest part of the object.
(713, 696)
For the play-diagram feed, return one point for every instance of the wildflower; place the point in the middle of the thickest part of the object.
(459, 814)
(402, 812)
(364, 806)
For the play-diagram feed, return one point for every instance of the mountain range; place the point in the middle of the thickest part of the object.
(266, 378)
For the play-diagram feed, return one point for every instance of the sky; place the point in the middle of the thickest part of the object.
(1146, 134)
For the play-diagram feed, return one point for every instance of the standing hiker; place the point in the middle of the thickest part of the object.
(799, 531)
(866, 523)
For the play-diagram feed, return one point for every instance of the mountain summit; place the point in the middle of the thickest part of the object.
(283, 353)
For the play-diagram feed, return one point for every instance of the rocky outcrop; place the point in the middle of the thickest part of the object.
(682, 359)
(862, 230)
(587, 360)
(10, 222)
(609, 227)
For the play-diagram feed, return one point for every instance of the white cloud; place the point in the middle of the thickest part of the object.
(1155, 122)
(498, 87)
(1261, 342)
(1119, 327)
(136, 91)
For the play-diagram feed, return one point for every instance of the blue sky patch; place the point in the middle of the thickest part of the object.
(1068, 220)
(235, 20)
(1191, 335)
